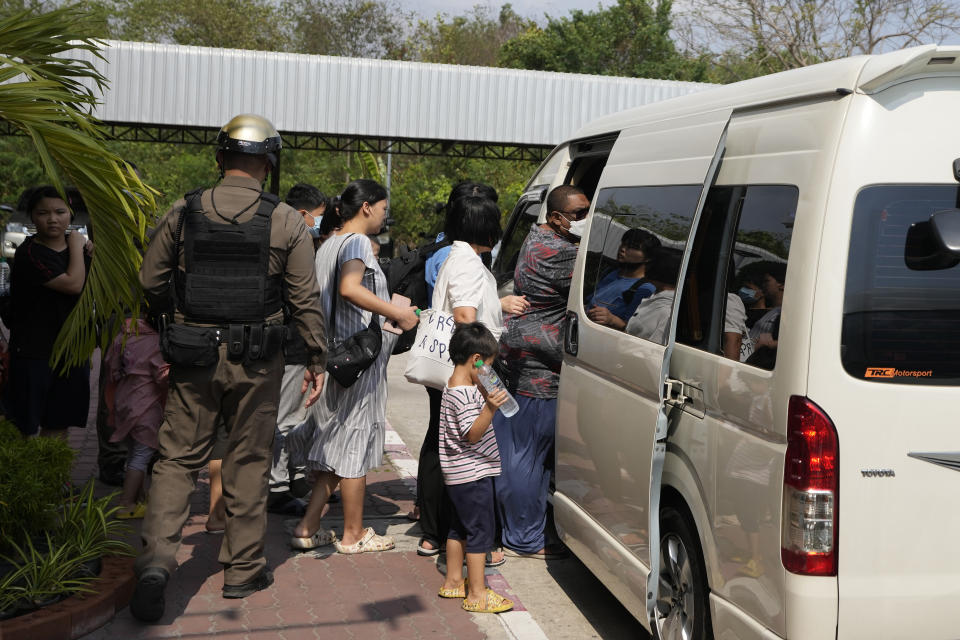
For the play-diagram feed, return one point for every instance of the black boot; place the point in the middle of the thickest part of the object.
(263, 580)
(147, 603)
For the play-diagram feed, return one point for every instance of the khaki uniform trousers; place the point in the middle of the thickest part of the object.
(245, 397)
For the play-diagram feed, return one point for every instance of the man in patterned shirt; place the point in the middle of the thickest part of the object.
(531, 352)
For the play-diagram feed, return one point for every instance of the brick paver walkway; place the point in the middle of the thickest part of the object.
(320, 595)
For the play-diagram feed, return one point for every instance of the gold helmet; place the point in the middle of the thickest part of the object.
(252, 134)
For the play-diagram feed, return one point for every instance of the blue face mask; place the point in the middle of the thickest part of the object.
(315, 229)
(748, 295)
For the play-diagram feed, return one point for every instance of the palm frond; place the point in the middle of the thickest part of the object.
(49, 96)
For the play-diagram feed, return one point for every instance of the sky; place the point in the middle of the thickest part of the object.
(530, 8)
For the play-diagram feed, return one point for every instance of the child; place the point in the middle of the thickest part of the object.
(140, 373)
(469, 459)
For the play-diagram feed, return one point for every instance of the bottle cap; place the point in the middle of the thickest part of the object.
(478, 364)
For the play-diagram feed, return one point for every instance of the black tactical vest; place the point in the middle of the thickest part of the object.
(225, 279)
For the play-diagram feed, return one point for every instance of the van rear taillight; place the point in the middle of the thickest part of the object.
(810, 491)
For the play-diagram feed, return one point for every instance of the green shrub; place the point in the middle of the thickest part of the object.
(88, 527)
(33, 472)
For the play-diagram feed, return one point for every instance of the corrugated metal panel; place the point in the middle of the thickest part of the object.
(161, 84)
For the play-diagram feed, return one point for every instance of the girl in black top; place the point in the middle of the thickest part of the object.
(49, 271)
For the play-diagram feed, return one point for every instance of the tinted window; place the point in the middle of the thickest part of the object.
(735, 281)
(899, 325)
(619, 291)
(519, 226)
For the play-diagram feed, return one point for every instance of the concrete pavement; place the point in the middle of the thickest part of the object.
(376, 595)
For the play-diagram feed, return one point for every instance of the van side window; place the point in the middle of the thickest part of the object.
(735, 281)
(506, 263)
(634, 250)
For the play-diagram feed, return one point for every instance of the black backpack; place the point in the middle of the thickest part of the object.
(406, 276)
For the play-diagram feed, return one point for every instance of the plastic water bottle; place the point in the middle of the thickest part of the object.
(4, 277)
(491, 382)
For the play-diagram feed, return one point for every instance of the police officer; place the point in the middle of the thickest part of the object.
(223, 258)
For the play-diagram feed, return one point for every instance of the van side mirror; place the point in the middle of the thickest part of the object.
(934, 243)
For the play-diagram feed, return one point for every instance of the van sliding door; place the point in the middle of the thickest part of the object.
(612, 420)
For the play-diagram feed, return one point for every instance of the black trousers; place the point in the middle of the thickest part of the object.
(435, 506)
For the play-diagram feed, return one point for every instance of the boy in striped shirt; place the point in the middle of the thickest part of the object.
(469, 459)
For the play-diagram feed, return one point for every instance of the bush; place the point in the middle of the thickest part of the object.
(64, 560)
(33, 473)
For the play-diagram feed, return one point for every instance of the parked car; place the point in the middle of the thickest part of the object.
(705, 491)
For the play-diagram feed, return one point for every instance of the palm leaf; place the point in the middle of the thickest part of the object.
(49, 97)
(372, 166)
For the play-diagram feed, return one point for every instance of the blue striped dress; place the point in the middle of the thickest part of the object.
(344, 430)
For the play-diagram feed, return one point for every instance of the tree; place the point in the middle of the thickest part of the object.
(232, 24)
(473, 39)
(356, 28)
(44, 95)
(760, 36)
(630, 38)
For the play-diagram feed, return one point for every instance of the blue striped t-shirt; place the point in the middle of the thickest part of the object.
(460, 460)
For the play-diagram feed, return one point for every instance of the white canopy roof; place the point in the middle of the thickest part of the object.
(162, 85)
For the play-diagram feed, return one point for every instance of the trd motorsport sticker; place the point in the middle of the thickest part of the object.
(892, 372)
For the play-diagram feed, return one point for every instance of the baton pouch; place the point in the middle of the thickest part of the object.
(263, 341)
(188, 346)
(274, 336)
(236, 343)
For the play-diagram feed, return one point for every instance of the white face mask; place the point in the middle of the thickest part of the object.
(577, 227)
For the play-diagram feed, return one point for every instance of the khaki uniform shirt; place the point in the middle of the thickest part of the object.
(291, 254)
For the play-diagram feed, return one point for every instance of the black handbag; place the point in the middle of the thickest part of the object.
(347, 359)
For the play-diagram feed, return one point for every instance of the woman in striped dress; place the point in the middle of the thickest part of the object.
(342, 438)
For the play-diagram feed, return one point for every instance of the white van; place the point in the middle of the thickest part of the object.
(812, 492)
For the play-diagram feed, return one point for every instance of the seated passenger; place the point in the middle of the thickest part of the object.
(651, 320)
(764, 333)
(620, 292)
(749, 288)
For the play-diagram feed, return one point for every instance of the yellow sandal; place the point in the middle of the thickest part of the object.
(458, 592)
(492, 602)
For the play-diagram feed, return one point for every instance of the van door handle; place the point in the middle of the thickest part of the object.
(571, 334)
(675, 391)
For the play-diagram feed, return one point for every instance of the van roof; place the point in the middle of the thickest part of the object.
(866, 74)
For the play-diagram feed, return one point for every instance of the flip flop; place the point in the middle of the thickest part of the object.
(492, 602)
(319, 539)
(369, 542)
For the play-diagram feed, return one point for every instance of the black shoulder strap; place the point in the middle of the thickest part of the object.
(192, 199)
(632, 291)
(268, 202)
(335, 293)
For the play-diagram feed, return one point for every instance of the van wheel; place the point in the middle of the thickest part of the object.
(682, 600)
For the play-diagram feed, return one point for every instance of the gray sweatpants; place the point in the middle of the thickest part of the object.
(291, 412)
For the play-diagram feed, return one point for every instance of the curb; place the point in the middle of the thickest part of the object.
(79, 614)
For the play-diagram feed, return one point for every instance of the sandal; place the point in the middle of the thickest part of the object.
(492, 602)
(549, 553)
(423, 551)
(369, 542)
(318, 539)
(459, 592)
(490, 562)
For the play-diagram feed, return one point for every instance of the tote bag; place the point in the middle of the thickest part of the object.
(429, 362)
